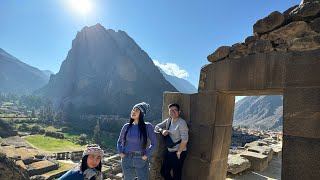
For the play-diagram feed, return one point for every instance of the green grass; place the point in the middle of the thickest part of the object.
(46, 143)
(7, 103)
(71, 135)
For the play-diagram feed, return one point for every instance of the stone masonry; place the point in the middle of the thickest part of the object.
(282, 57)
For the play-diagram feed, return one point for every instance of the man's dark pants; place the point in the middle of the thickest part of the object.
(171, 162)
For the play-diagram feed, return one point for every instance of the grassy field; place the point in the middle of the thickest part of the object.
(49, 144)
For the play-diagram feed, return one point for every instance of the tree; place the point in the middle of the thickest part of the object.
(97, 134)
(83, 139)
(23, 127)
(58, 117)
(33, 114)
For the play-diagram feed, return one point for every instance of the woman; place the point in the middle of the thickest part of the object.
(132, 144)
(90, 166)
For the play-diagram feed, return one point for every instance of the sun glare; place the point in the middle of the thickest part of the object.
(82, 7)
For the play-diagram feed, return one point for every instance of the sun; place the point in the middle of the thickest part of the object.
(83, 7)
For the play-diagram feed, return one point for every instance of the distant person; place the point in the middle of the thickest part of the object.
(176, 128)
(132, 145)
(90, 166)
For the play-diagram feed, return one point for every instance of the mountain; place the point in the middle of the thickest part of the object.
(18, 77)
(47, 73)
(264, 112)
(106, 72)
(180, 84)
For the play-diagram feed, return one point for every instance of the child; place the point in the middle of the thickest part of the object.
(90, 166)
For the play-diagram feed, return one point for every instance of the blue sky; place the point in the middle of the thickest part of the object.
(179, 34)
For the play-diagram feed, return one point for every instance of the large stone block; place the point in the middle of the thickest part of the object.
(218, 169)
(265, 150)
(258, 73)
(237, 164)
(300, 158)
(258, 161)
(218, 54)
(225, 110)
(203, 107)
(302, 69)
(200, 141)
(302, 112)
(195, 169)
(221, 142)
(268, 23)
(291, 31)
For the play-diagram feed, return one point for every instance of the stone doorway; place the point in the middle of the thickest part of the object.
(209, 113)
(281, 58)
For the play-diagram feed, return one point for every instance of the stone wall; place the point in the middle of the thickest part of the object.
(282, 57)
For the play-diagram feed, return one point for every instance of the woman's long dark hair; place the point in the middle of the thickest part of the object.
(142, 130)
(84, 164)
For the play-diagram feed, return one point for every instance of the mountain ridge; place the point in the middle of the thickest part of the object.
(261, 112)
(17, 76)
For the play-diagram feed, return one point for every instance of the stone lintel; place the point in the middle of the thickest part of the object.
(263, 72)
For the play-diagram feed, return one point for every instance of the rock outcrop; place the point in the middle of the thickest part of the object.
(10, 170)
(6, 130)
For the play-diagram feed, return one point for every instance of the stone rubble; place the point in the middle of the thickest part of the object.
(296, 29)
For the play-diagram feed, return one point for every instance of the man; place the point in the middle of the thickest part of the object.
(177, 129)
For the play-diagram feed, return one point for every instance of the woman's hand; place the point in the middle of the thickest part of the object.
(144, 157)
(165, 132)
(122, 155)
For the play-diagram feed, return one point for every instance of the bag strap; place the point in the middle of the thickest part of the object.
(169, 123)
(178, 142)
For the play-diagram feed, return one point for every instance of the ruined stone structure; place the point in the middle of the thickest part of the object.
(281, 58)
(76, 155)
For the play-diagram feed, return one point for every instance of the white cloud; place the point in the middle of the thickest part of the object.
(172, 69)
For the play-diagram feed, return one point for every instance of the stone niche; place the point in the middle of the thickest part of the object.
(282, 57)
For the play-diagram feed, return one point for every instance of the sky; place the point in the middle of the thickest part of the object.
(176, 34)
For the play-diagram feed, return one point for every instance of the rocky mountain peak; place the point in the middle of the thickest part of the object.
(108, 72)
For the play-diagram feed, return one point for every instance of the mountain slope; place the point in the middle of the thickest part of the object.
(180, 84)
(264, 112)
(18, 77)
(106, 72)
